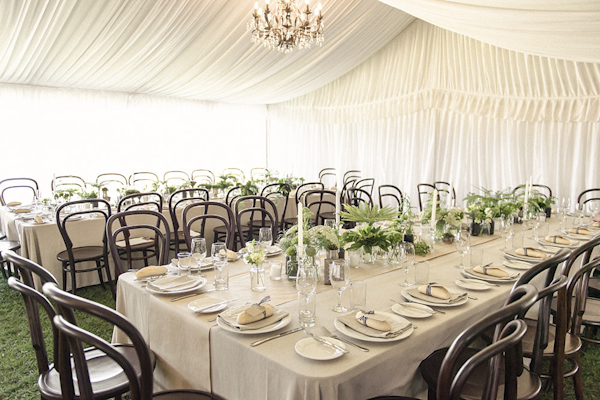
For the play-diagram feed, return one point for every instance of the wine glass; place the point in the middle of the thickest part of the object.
(330, 223)
(265, 238)
(339, 274)
(593, 207)
(218, 252)
(565, 205)
(307, 280)
(463, 246)
(506, 230)
(407, 259)
(198, 250)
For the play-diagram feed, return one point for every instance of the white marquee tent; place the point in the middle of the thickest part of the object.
(482, 93)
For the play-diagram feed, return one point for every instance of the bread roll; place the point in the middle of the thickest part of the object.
(373, 320)
(151, 270)
(21, 210)
(491, 271)
(578, 231)
(231, 255)
(530, 252)
(38, 219)
(435, 290)
(558, 240)
(13, 204)
(255, 313)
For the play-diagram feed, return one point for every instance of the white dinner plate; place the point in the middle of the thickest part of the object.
(413, 299)
(273, 251)
(577, 236)
(544, 242)
(515, 256)
(357, 335)
(514, 264)
(197, 305)
(474, 275)
(149, 278)
(414, 310)
(200, 283)
(472, 284)
(284, 322)
(310, 348)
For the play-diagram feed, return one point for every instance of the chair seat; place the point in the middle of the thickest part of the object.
(84, 253)
(594, 287)
(591, 316)
(107, 376)
(572, 342)
(184, 395)
(9, 245)
(528, 384)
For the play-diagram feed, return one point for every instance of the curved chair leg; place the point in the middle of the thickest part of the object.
(64, 275)
(73, 280)
(100, 277)
(109, 280)
(577, 381)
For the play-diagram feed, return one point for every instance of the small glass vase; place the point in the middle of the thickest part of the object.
(369, 258)
(257, 278)
(291, 267)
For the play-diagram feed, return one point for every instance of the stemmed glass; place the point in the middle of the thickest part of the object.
(463, 246)
(407, 259)
(265, 238)
(506, 230)
(339, 273)
(594, 207)
(565, 205)
(218, 253)
(198, 250)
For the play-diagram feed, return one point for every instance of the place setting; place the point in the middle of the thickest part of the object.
(435, 294)
(320, 348)
(558, 241)
(374, 326)
(526, 254)
(252, 319)
(490, 273)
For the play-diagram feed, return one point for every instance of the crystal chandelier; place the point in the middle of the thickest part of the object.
(287, 25)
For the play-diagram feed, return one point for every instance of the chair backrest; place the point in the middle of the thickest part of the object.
(204, 212)
(77, 209)
(305, 187)
(68, 182)
(273, 192)
(65, 322)
(253, 205)
(319, 201)
(445, 187)
(578, 289)
(175, 177)
(140, 180)
(20, 192)
(357, 196)
(328, 177)
(424, 191)
(544, 190)
(110, 183)
(237, 174)
(136, 201)
(33, 299)
(351, 175)
(137, 223)
(179, 199)
(391, 193)
(366, 184)
(455, 370)
(588, 195)
(203, 177)
(232, 195)
(258, 173)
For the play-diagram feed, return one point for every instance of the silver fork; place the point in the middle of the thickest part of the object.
(327, 333)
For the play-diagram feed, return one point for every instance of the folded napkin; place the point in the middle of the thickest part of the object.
(578, 231)
(454, 296)
(13, 204)
(558, 240)
(255, 313)
(491, 271)
(435, 290)
(21, 210)
(397, 326)
(372, 320)
(38, 219)
(230, 317)
(151, 270)
(133, 241)
(231, 255)
(530, 252)
(173, 283)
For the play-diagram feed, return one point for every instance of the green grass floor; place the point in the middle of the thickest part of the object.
(18, 368)
(18, 371)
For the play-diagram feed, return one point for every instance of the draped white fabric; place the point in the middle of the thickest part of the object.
(197, 49)
(435, 105)
(562, 29)
(48, 131)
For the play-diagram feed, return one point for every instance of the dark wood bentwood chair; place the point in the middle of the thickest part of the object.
(207, 212)
(138, 370)
(18, 188)
(321, 203)
(544, 190)
(445, 187)
(298, 198)
(203, 177)
(277, 192)
(424, 192)
(132, 231)
(392, 194)
(258, 212)
(177, 201)
(108, 377)
(494, 372)
(588, 195)
(73, 255)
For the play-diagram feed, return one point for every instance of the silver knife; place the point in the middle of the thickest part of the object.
(214, 305)
(275, 337)
(191, 295)
(325, 342)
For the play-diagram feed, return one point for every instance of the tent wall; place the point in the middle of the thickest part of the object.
(436, 105)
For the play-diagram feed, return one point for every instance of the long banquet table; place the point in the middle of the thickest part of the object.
(193, 352)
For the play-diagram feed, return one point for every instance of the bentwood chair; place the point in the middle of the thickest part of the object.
(138, 201)
(321, 203)
(203, 177)
(445, 187)
(424, 192)
(138, 369)
(108, 377)
(259, 174)
(6, 266)
(391, 195)
(200, 218)
(143, 180)
(328, 177)
(366, 184)
(494, 372)
(18, 189)
(357, 196)
(75, 254)
(177, 201)
(298, 198)
(133, 231)
(257, 212)
(351, 175)
(65, 182)
(277, 192)
(110, 183)
(175, 178)
(588, 195)
(237, 174)
(544, 190)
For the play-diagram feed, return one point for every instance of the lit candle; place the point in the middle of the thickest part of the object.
(434, 208)
(526, 194)
(300, 225)
(338, 205)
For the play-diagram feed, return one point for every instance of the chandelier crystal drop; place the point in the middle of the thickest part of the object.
(286, 25)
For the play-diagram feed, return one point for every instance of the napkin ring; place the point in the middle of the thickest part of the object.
(428, 288)
(363, 318)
